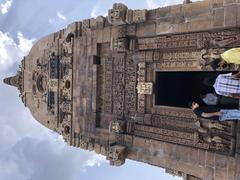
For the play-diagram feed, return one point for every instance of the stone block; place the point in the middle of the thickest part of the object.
(129, 16)
(176, 9)
(165, 19)
(147, 119)
(100, 22)
(217, 3)
(184, 153)
(99, 36)
(139, 142)
(178, 18)
(231, 166)
(131, 30)
(190, 168)
(218, 18)
(193, 156)
(227, 2)
(238, 14)
(202, 157)
(79, 28)
(151, 14)
(147, 29)
(210, 160)
(181, 28)
(220, 174)
(199, 25)
(115, 32)
(237, 170)
(93, 23)
(220, 161)
(193, 10)
(164, 28)
(207, 173)
(163, 12)
(230, 15)
(71, 29)
(85, 26)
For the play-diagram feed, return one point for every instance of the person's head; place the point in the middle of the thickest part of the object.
(216, 63)
(193, 105)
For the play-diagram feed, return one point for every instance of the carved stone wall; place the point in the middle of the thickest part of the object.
(94, 83)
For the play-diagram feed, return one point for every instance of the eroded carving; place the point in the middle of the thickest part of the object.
(145, 88)
(117, 15)
(116, 155)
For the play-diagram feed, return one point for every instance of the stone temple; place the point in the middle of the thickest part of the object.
(119, 85)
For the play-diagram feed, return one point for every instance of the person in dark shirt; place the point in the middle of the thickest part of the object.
(214, 113)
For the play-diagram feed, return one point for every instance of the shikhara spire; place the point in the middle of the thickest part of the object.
(16, 81)
(119, 85)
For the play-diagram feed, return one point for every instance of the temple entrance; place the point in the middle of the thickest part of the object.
(176, 89)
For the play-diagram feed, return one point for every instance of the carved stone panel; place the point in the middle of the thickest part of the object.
(119, 85)
(178, 60)
(108, 79)
(145, 88)
(130, 85)
(228, 38)
(117, 15)
(141, 79)
(116, 155)
(136, 16)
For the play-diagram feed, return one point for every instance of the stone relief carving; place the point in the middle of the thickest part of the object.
(117, 127)
(117, 15)
(118, 86)
(136, 16)
(180, 130)
(130, 84)
(145, 88)
(116, 155)
(120, 44)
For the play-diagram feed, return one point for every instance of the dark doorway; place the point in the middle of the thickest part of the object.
(178, 88)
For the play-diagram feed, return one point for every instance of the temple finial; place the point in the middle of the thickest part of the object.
(14, 81)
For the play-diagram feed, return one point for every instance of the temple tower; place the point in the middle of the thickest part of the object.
(119, 86)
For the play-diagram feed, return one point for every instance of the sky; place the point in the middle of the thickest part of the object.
(29, 151)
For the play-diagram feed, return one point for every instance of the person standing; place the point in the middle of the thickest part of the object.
(214, 113)
(228, 85)
(231, 56)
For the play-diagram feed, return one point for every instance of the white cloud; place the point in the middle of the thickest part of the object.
(50, 20)
(94, 11)
(105, 14)
(4, 7)
(30, 151)
(11, 51)
(24, 44)
(60, 16)
(152, 4)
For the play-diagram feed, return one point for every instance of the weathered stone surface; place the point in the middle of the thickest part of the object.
(230, 15)
(95, 81)
(218, 20)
